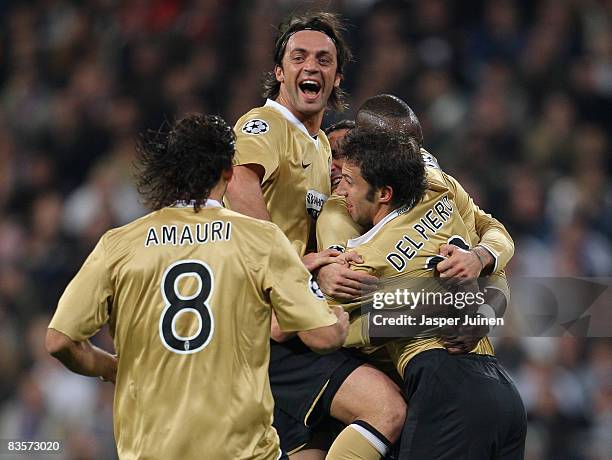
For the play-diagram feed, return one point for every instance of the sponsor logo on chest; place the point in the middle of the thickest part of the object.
(314, 202)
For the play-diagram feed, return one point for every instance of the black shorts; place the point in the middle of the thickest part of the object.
(304, 384)
(461, 407)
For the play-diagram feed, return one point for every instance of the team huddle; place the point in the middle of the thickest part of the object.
(239, 306)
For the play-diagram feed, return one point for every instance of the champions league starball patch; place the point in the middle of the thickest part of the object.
(255, 126)
(315, 289)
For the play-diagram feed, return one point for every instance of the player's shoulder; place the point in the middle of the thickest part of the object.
(118, 232)
(243, 219)
(436, 178)
(323, 140)
(431, 162)
(256, 238)
(121, 241)
(335, 202)
(123, 233)
(264, 228)
(260, 121)
(438, 181)
(337, 199)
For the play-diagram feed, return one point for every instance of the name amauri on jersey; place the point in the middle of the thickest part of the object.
(200, 233)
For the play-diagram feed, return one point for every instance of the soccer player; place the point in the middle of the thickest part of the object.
(335, 134)
(495, 248)
(335, 204)
(493, 245)
(188, 292)
(454, 401)
(282, 175)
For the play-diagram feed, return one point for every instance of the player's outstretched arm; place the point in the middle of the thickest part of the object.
(276, 333)
(328, 338)
(244, 194)
(495, 247)
(81, 357)
(297, 301)
(322, 339)
(494, 239)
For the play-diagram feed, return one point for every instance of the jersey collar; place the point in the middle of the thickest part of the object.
(210, 203)
(291, 118)
(367, 236)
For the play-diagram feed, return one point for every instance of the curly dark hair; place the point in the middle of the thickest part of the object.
(390, 113)
(388, 159)
(328, 23)
(183, 161)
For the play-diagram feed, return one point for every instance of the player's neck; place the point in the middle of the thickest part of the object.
(218, 191)
(382, 212)
(312, 122)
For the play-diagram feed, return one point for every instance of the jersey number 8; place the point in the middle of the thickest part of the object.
(177, 304)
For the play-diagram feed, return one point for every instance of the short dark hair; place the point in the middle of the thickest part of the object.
(387, 159)
(183, 161)
(342, 124)
(328, 23)
(390, 113)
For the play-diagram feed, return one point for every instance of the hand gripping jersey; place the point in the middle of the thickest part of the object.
(188, 297)
(404, 245)
(296, 180)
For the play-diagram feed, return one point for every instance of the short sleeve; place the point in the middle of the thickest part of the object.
(358, 332)
(83, 307)
(296, 298)
(335, 225)
(258, 141)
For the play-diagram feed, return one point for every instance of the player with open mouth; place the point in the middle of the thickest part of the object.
(311, 89)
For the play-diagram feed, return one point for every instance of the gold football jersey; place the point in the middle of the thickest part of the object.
(484, 229)
(188, 297)
(405, 245)
(335, 226)
(296, 180)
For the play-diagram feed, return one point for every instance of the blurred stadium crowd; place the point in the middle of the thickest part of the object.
(514, 98)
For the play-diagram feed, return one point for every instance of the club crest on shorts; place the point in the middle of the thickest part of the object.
(315, 289)
(255, 126)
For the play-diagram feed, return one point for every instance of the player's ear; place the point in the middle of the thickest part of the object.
(385, 194)
(227, 174)
(337, 80)
(279, 74)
